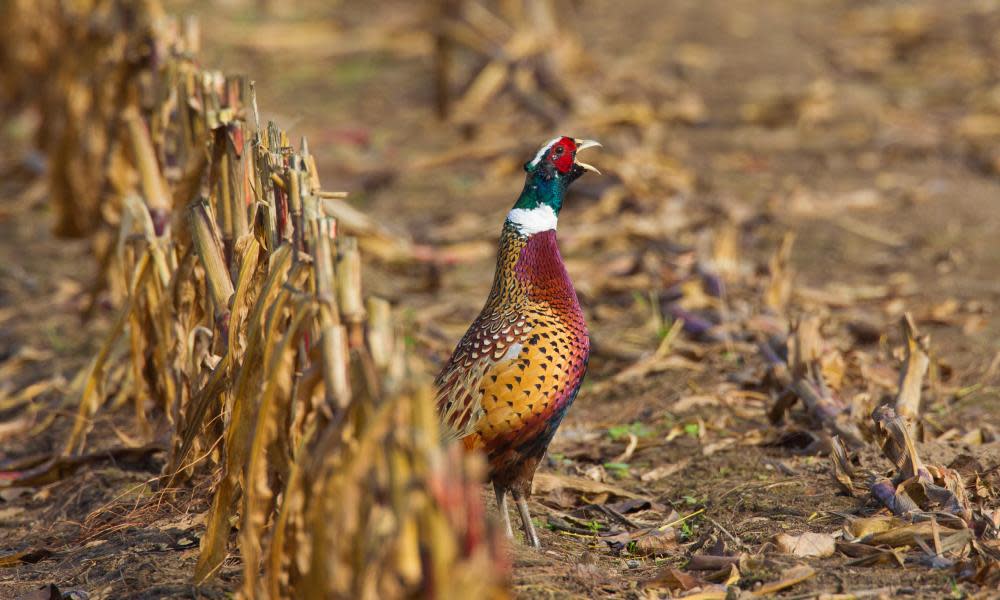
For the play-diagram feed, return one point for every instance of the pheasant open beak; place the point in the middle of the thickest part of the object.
(583, 145)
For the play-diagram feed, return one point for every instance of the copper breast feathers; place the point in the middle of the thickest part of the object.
(521, 361)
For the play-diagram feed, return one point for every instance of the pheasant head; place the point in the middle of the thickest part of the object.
(549, 173)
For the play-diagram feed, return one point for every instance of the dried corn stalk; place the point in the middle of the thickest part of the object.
(388, 514)
(806, 376)
(526, 46)
(87, 64)
(243, 331)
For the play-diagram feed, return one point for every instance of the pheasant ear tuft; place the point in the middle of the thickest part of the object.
(541, 153)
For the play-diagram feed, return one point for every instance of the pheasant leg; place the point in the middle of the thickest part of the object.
(501, 493)
(529, 528)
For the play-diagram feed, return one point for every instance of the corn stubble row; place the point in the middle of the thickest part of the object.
(243, 336)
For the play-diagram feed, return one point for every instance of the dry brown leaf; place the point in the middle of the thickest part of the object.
(664, 471)
(859, 528)
(546, 483)
(865, 555)
(727, 575)
(789, 577)
(805, 544)
(673, 579)
(708, 562)
(656, 542)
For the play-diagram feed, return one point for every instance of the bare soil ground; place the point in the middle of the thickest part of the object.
(819, 122)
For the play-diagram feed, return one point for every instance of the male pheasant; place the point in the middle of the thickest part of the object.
(518, 368)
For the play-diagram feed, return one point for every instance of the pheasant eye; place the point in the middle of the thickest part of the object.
(559, 150)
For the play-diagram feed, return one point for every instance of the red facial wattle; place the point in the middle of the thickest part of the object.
(562, 154)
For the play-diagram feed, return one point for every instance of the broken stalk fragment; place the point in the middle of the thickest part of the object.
(911, 378)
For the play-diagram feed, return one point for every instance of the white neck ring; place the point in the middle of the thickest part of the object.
(533, 220)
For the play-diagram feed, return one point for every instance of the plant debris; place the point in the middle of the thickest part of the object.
(785, 270)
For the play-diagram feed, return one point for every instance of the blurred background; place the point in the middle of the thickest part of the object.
(871, 130)
(765, 164)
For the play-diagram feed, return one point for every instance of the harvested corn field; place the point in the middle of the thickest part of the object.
(238, 240)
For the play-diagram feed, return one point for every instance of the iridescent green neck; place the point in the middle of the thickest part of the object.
(541, 190)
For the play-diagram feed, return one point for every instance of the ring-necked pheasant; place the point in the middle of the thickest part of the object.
(519, 366)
